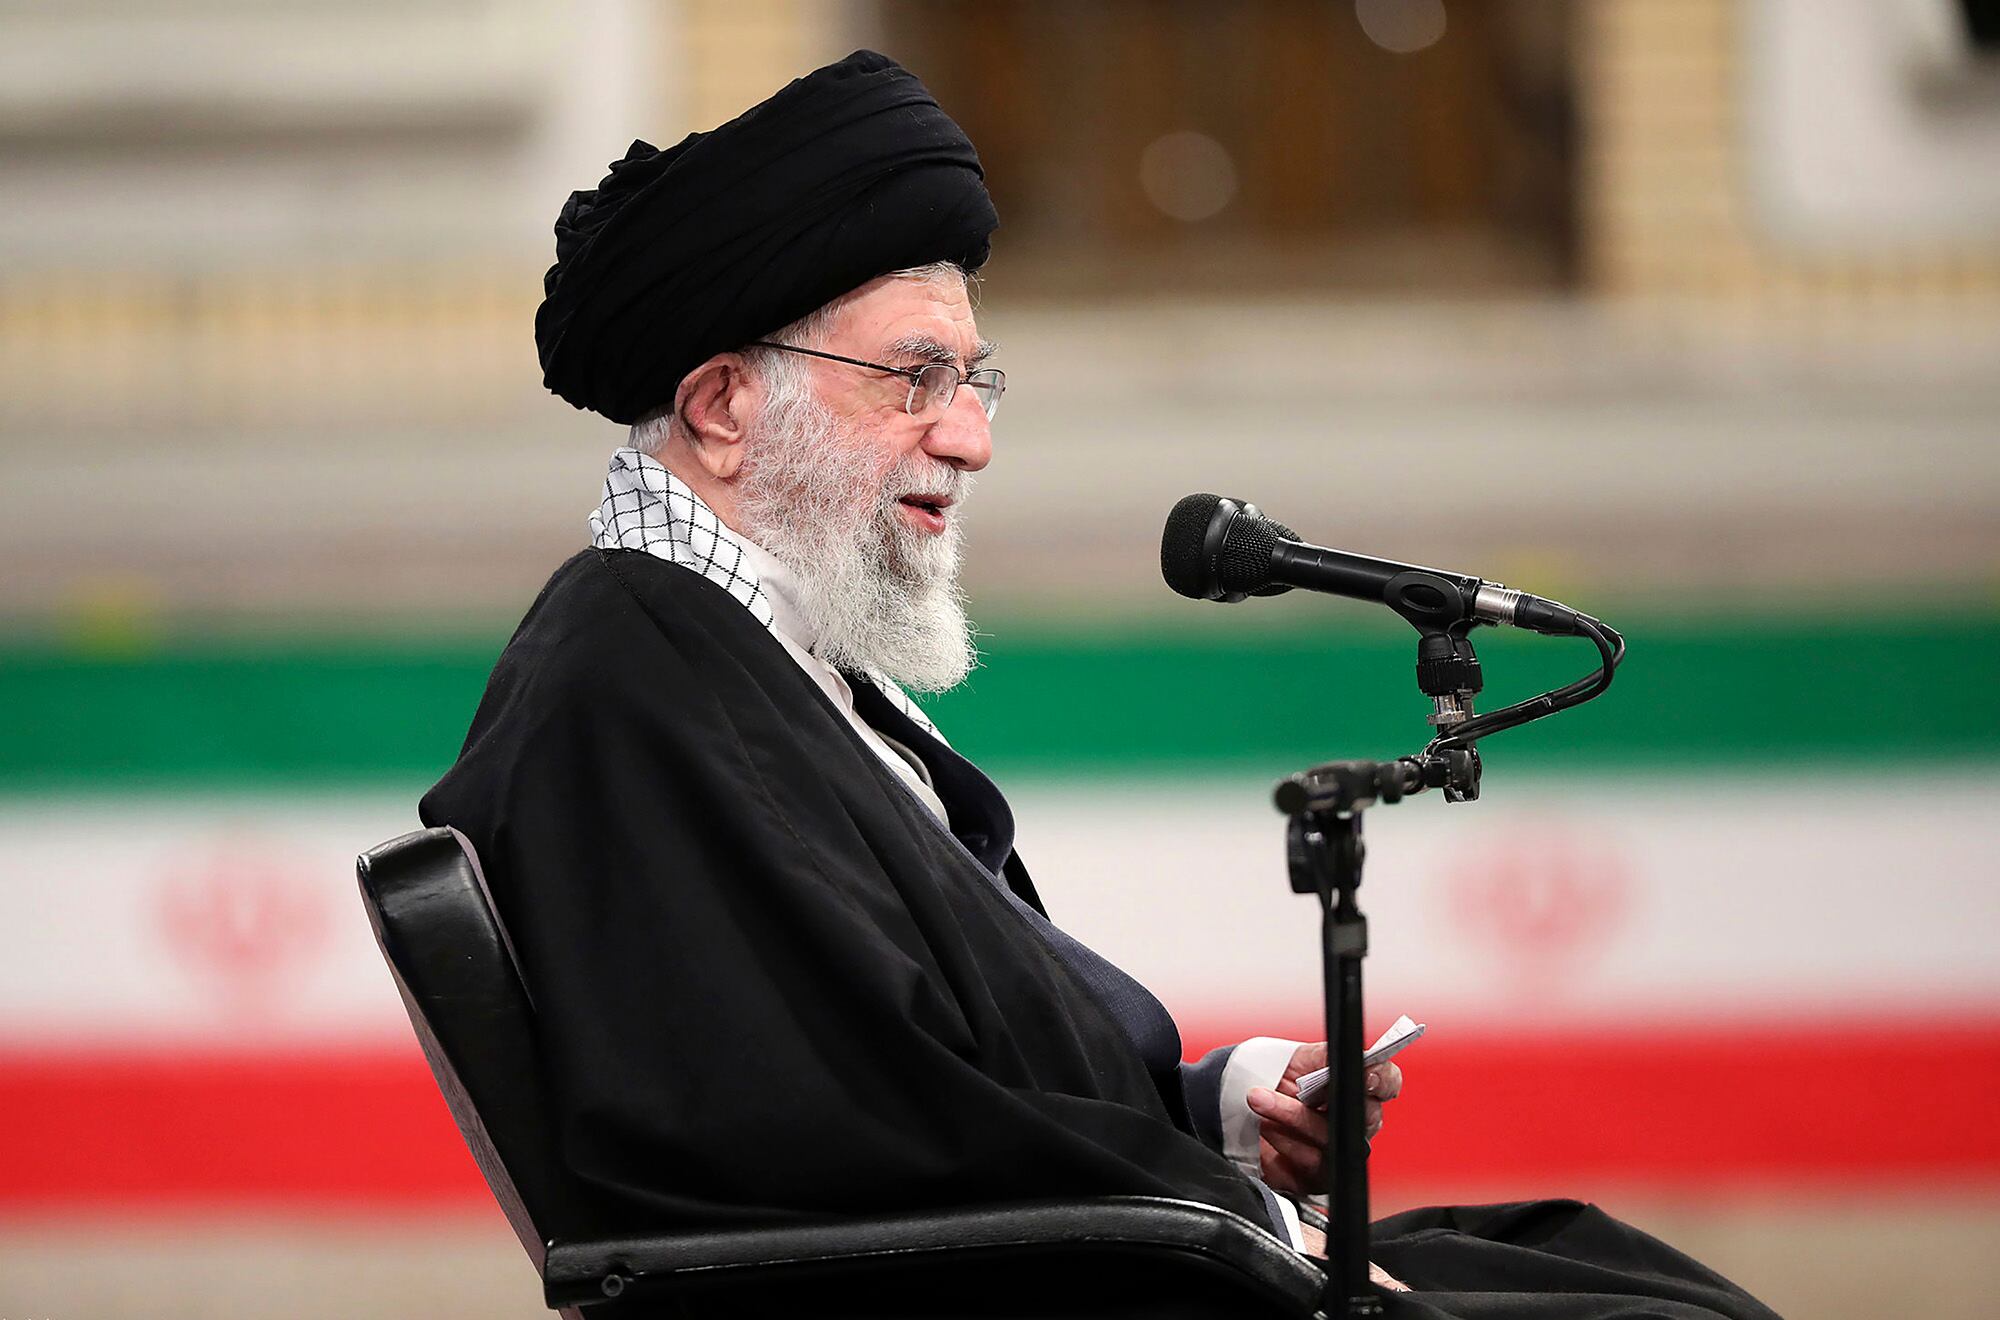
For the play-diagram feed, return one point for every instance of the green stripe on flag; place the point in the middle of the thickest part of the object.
(1793, 694)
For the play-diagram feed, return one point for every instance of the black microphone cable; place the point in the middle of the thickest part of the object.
(1611, 652)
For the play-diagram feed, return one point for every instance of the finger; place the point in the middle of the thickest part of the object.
(1383, 1279)
(1372, 1113)
(1282, 1174)
(1286, 1112)
(1272, 1166)
(1304, 1060)
(1294, 1146)
(1385, 1081)
(1300, 1159)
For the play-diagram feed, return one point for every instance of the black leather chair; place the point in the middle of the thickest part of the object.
(455, 968)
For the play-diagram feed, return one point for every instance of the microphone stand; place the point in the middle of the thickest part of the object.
(1201, 556)
(1325, 853)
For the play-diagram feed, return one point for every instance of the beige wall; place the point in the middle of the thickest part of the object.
(1670, 202)
(733, 53)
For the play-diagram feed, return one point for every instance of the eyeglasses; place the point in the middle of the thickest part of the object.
(932, 387)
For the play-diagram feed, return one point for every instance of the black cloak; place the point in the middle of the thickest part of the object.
(766, 981)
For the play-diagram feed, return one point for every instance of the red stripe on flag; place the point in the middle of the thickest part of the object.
(133, 1130)
(1667, 1109)
(1683, 1109)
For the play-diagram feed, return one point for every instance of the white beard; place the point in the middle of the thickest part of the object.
(879, 593)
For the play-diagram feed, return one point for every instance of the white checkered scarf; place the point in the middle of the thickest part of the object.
(647, 508)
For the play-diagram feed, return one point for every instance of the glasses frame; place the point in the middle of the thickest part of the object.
(991, 387)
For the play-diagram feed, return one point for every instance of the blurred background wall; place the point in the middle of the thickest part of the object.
(1684, 311)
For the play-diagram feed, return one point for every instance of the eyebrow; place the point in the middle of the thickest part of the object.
(928, 348)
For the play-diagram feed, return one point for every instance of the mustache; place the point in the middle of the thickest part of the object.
(919, 475)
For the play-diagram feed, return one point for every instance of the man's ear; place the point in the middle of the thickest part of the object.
(715, 403)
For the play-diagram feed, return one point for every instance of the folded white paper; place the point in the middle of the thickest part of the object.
(1401, 1034)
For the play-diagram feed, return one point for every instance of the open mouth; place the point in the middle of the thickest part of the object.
(927, 512)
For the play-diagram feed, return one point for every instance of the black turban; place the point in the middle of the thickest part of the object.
(848, 173)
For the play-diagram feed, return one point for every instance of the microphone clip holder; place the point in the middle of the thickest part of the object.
(1447, 667)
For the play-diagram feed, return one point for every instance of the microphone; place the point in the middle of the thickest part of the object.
(1214, 548)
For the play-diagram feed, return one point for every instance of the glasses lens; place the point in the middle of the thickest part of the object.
(933, 390)
(989, 383)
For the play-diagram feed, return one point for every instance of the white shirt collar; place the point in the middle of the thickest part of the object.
(781, 591)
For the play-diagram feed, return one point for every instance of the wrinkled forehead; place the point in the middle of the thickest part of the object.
(929, 319)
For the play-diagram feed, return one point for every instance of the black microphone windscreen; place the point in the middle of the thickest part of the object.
(1181, 545)
(1245, 561)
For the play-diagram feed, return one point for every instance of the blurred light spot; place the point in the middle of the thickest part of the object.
(1403, 26)
(1187, 175)
(1546, 570)
(111, 616)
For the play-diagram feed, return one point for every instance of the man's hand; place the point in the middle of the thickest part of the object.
(1291, 1145)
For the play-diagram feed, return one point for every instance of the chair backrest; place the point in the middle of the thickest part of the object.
(455, 968)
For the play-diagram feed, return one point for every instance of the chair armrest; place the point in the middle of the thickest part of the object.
(1184, 1235)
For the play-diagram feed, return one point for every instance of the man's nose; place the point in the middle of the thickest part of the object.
(963, 437)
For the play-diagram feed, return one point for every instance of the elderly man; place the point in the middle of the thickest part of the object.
(784, 955)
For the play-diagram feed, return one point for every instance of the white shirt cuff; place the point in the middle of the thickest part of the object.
(1259, 1061)
(1290, 1214)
